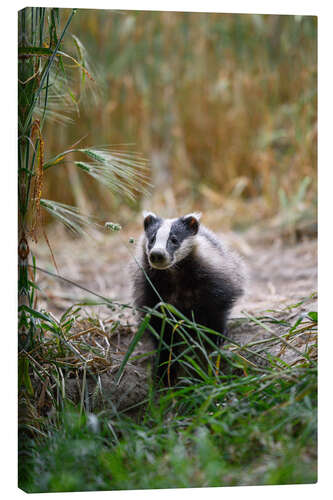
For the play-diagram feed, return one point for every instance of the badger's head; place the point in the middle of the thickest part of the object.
(169, 241)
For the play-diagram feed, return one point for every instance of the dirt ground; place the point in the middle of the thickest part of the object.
(281, 274)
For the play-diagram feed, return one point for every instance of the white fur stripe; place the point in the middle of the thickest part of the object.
(162, 235)
(184, 249)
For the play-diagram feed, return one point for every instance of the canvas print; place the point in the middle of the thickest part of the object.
(167, 249)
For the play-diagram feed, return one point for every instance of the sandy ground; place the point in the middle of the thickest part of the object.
(280, 274)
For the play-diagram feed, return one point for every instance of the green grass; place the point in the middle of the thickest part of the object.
(248, 425)
(243, 431)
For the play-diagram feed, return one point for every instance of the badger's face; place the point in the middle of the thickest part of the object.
(168, 241)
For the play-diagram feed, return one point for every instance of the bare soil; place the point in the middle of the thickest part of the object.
(281, 275)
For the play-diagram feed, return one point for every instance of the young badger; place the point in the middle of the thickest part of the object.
(191, 270)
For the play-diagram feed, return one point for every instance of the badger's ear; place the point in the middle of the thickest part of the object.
(148, 219)
(191, 221)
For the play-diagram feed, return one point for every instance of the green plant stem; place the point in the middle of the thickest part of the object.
(46, 72)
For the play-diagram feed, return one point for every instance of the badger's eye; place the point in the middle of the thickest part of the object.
(174, 240)
(152, 239)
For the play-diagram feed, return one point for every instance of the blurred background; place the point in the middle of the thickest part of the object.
(224, 107)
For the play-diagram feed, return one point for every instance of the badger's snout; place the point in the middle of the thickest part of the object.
(159, 259)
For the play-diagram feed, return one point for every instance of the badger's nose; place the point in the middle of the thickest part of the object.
(157, 257)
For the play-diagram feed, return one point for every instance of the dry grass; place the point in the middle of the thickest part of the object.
(224, 106)
(79, 346)
(259, 409)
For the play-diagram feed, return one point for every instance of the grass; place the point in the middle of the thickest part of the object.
(247, 423)
(46, 72)
(229, 133)
(237, 434)
(47, 77)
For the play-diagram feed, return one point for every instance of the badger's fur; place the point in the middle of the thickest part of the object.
(190, 269)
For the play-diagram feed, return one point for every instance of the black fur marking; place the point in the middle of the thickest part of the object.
(178, 233)
(152, 225)
(191, 223)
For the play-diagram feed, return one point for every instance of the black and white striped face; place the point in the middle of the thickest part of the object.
(168, 241)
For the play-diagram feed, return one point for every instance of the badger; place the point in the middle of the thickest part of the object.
(184, 264)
